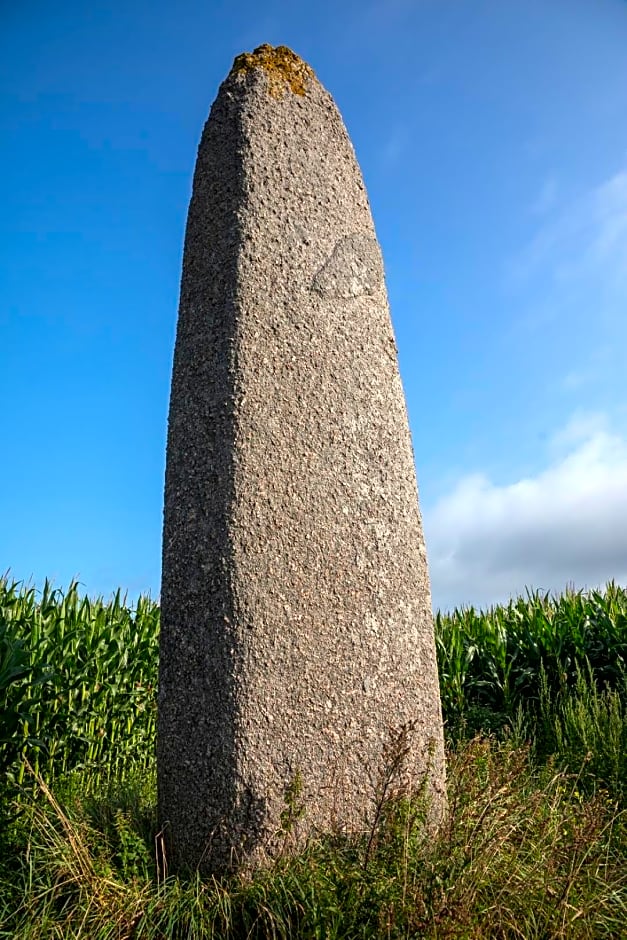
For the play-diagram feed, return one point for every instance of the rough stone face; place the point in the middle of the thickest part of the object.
(297, 635)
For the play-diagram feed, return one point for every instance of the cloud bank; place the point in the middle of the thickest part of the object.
(566, 525)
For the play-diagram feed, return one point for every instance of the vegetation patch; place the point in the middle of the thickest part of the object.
(534, 845)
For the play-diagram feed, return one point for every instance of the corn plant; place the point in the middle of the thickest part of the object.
(18, 677)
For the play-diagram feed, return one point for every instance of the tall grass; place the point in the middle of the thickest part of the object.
(522, 855)
(586, 729)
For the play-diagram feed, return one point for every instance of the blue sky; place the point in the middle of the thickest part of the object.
(493, 141)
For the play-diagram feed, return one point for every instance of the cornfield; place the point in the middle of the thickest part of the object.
(78, 676)
(494, 664)
(77, 681)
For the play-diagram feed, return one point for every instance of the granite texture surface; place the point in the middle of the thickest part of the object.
(297, 636)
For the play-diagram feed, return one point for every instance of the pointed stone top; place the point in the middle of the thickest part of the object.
(283, 67)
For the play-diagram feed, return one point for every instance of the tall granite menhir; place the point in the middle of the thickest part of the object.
(297, 638)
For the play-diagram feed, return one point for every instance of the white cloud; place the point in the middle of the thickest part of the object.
(600, 361)
(546, 198)
(393, 148)
(568, 524)
(575, 379)
(586, 239)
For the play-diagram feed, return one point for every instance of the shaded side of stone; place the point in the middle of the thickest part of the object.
(200, 650)
(296, 608)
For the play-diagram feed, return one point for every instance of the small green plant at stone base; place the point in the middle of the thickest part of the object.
(400, 808)
(294, 808)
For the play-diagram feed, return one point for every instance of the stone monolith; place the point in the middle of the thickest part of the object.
(296, 630)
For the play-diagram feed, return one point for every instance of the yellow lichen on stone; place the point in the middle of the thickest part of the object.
(282, 66)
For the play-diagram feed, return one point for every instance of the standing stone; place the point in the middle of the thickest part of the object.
(296, 635)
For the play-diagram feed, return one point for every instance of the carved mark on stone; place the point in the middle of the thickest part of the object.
(354, 268)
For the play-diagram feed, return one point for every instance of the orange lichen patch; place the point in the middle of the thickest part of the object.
(282, 66)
